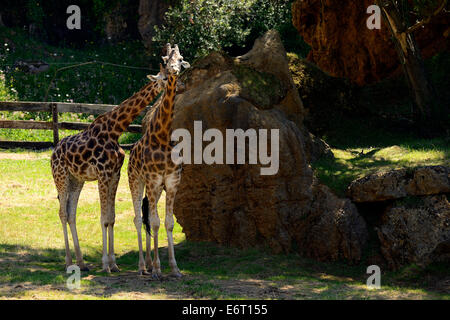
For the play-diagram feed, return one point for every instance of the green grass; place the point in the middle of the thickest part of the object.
(32, 255)
(354, 159)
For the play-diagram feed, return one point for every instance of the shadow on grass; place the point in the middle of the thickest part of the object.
(339, 173)
(210, 271)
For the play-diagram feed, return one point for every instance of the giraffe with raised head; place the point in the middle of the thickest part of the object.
(95, 154)
(151, 168)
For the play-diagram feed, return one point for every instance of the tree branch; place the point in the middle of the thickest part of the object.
(428, 19)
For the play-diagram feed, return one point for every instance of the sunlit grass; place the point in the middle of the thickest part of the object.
(354, 163)
(32, 255)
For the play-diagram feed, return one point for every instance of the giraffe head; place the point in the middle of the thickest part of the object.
(174, 60)
(160, 78)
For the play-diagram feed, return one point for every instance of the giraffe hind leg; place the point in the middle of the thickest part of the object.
(148, 232)
(61, 179)
(74, 190)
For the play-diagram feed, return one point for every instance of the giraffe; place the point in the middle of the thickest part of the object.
(151, 168)
(95, 154)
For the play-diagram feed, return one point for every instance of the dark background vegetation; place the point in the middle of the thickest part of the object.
(35, 30)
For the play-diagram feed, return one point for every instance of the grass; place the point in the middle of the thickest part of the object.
(363, 150)
(32, 255)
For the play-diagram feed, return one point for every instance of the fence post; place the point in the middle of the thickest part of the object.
(54, 108)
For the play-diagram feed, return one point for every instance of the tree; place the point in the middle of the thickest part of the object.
(397, 14)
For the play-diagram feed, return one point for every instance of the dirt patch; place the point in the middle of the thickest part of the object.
(24, 156)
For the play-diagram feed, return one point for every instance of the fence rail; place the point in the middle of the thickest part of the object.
(54, 125)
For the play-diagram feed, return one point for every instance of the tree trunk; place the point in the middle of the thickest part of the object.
(151, 13)
(411, 60)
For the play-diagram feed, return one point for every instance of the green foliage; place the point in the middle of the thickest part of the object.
(424, 8)
(95, 83)
(7, 93)
(202, 26)
(35, 13)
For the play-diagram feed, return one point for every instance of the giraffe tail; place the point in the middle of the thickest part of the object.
(145, 214)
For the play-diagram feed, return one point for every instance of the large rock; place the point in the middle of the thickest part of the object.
(342, 45)
(416, 231)
(235, 204)
(331, 228)
(401, 183)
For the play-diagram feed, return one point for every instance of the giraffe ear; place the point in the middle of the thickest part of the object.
(152, 77)
(186, 64)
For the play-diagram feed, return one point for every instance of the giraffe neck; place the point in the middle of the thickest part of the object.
(116, 121)
(160, 126)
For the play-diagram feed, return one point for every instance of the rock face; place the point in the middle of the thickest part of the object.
(312, 83)
(331, 229)
(417, 232)
(342, 45)
(400, 183)
(234, 204)
(415, 213)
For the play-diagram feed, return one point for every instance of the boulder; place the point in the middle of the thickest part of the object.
(233, 204)
(342, 45)
(331, 229)
(416, 230)
(401, 183)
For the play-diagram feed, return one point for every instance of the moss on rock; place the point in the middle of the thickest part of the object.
(261, 88)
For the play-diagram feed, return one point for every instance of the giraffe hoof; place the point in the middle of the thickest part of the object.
(106, 270)
(143, 273)
(115, 268)
(176, 274)
(157, 275)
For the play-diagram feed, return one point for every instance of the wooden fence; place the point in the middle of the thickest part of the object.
(54, 125)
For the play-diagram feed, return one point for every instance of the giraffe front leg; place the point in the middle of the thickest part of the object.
(104, 221)
(171, 183)
(154, 221)
(63, 218)
(137, 190)
(154, 190)
(148, 246)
